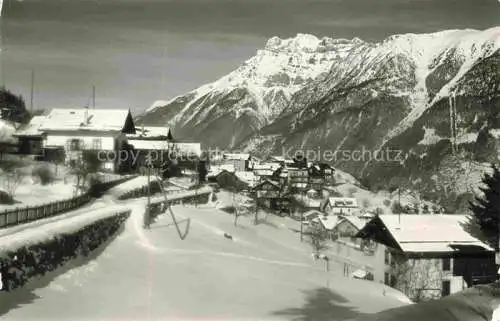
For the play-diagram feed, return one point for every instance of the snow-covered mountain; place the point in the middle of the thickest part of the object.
(237, 105)
(433, 98)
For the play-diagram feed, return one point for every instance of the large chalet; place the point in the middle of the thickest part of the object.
(428, 256)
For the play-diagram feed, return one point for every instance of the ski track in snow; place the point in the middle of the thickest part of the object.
(146, 243)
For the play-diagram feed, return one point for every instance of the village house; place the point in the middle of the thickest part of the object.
(154, 141)
(30, 138)
(298, 179)
(326, 224)
(429, 255)
(357, 257)
(281, 161)
(311, 216)
(269, 194)
(241, 162)
(341, 206)
(75, 130)
(280, 175)
(264, 171)
(320, 175)
(229, 180)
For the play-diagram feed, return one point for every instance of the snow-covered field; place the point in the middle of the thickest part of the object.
(31, 193)
(263, 273)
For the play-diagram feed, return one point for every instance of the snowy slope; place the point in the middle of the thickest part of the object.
(264, 273)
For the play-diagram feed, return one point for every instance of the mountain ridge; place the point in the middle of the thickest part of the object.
(391, 94)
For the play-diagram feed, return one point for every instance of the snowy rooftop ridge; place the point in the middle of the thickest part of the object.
(76, 119)
(430, 232)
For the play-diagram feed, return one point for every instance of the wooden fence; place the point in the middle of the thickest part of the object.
(32, 213)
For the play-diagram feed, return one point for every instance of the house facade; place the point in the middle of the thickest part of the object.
(320, 175)
(78, 130)
(298, 179)
(30, 138)
(428, 256)
(241, 162)
(268, 194)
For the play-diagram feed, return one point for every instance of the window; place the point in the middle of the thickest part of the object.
(96, 143)
(445, 288)
(74, 144)
(446, 264)
(387, 257)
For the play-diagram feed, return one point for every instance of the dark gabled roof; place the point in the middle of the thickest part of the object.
(376, 230)
(267, 181)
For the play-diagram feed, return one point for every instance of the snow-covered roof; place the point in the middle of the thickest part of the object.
(263, 172)
(236, 156)
(247, 177)
(310, 213)
(150, 144)
(214, 170)
(343, 201)
(282, 159)
(61, 119)
(429, 232)
(261, 166)
(148, 131)
(268, 181)
(32, 128)
(358, 222)
(328, 222)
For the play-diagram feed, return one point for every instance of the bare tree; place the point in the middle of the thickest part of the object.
(318, 240)
(237, 201)
(13, 178)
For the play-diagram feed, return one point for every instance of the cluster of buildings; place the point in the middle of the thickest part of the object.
(425, 256)
(280, 184)
(63, 135)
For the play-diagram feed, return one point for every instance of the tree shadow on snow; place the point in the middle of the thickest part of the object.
(26, 294)
(321, 304)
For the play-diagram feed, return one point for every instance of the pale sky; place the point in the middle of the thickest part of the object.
(139, 51)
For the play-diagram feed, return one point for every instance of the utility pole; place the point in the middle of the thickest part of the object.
(32, 90)
(147, 214)
(302, 220)
(93, 97)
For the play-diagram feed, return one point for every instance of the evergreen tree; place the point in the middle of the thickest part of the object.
(12, 107)
(486, 209)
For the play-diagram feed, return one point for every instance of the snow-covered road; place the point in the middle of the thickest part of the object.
(263, 273)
